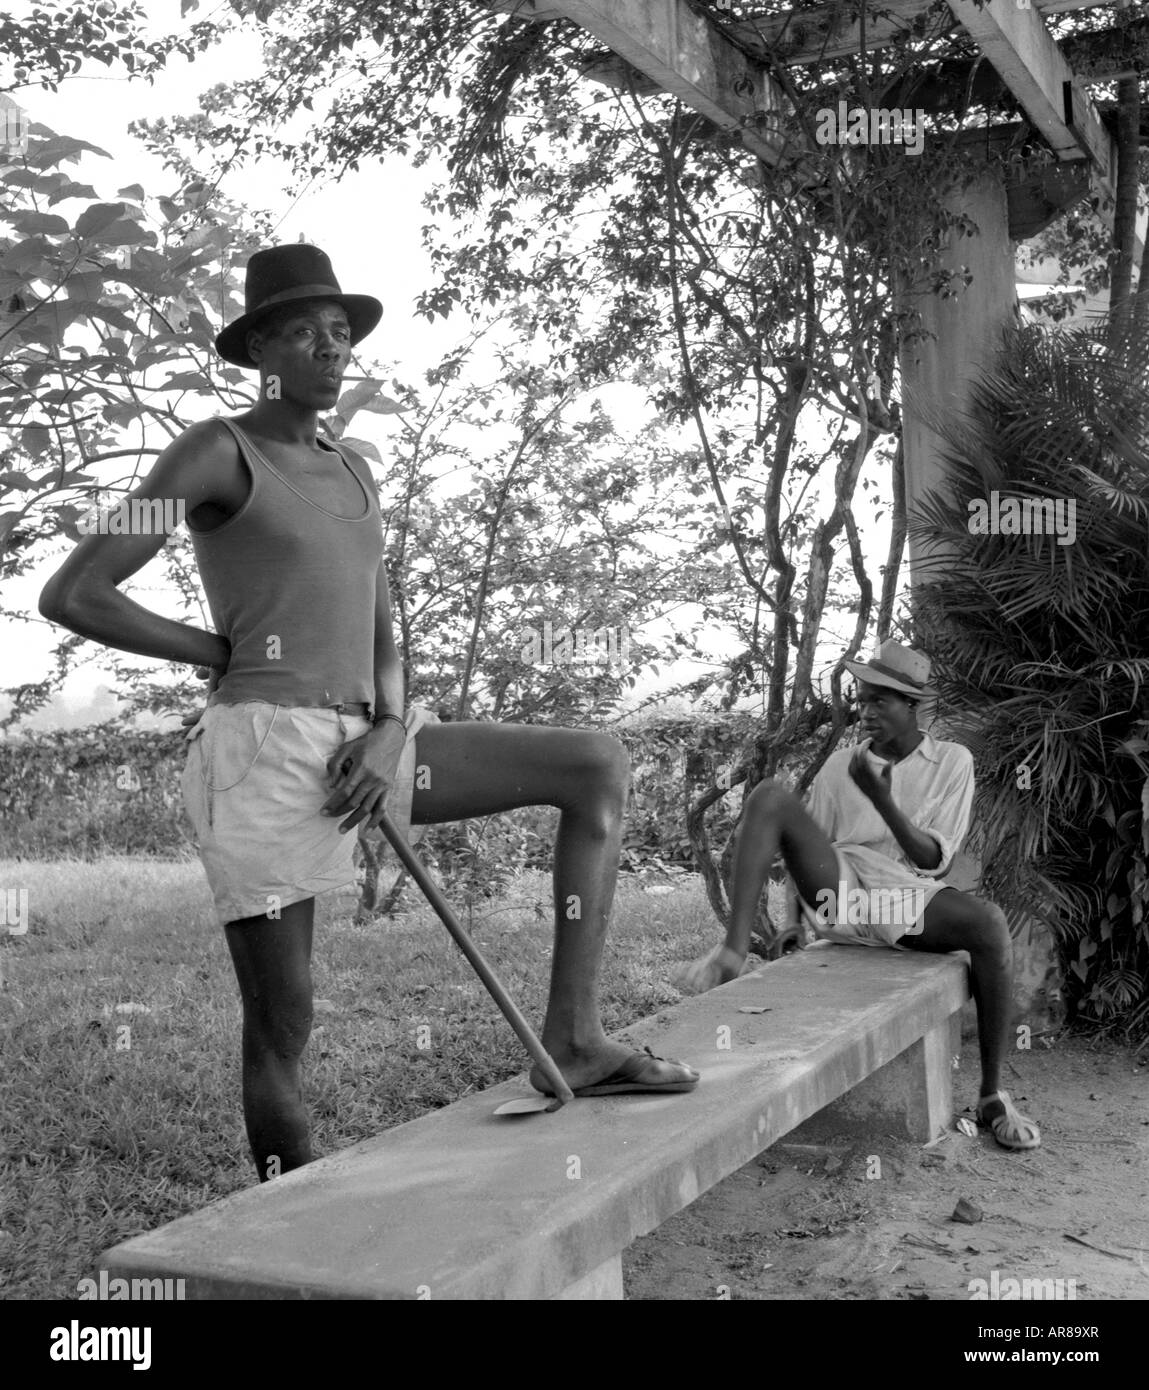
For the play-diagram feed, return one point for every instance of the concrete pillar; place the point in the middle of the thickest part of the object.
(910, 1097)
(937, 372)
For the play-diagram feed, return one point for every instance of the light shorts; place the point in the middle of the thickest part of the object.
(887, 900)
(254, 783)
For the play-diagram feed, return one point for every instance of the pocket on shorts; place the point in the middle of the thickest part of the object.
(233, 742)
(224, 748)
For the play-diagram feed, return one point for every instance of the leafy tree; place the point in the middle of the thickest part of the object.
(761, 303)
(108, 345)
(638, 244)
(54, 41)
(107, 354)
(627, 233)
(541, 530)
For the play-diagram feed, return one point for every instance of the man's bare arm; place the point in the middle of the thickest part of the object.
(389, 697)
(921, 849)
(82, 595)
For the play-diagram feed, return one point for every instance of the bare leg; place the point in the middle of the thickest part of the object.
(476, 769)
(774, 820)
(272, 961)
(956, 921)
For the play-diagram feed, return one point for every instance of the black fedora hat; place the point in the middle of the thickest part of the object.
(285, 273)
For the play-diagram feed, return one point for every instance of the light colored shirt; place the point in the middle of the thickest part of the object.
(932, 787)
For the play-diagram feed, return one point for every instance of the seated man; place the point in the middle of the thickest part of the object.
(883, 824)
(305, 720)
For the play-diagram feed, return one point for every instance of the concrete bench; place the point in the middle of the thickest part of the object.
(461, 1204)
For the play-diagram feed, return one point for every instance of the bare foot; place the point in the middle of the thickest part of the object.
(717, 967)
(607, 1060)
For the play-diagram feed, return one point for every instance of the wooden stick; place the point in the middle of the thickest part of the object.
(430, 889)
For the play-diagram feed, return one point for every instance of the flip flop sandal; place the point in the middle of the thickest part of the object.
(627, 1078)
(1011, 1130)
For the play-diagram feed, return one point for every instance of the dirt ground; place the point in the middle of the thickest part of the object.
(832, 1214)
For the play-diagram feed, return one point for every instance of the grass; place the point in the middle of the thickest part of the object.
(109, 1133)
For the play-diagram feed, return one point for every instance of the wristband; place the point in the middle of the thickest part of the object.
(398, 718)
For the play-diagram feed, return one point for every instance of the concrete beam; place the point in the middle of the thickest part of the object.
(686, 54)
(1031, 65)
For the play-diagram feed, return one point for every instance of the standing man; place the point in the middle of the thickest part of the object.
(306, 720)
(883, 824)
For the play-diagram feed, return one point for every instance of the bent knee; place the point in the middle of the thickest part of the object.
(769, 797)
(990, 930)
(607, 763)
